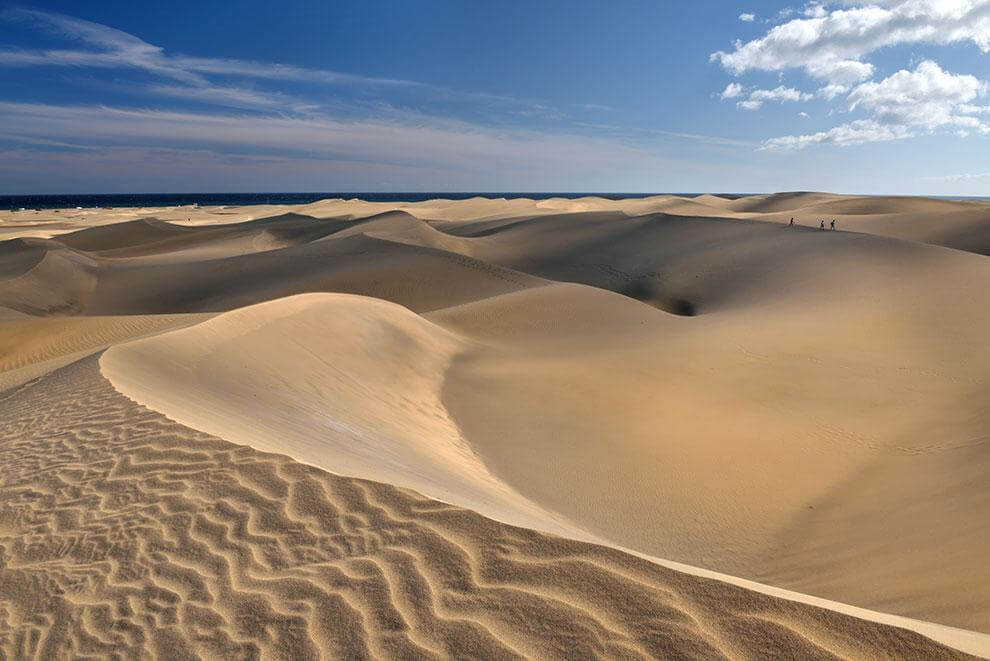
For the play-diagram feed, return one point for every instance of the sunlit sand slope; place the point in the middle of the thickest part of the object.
(123, 533)
(348, 383)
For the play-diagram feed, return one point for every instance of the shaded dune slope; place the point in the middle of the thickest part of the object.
(747, 442)
(125, 533)
(698, 264)
(123, 235)
(419, 277)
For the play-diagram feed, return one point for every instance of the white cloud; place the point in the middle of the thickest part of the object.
(830, 45)
(853, 133)
(234, 97)
(832, 90)
(965, 176)
(803, 114)
(927, 97)
(747, 18)
(905, 104)
(779, 93)
(759, 96)
(732, 90)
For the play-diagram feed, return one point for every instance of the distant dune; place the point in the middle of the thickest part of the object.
(657, 427)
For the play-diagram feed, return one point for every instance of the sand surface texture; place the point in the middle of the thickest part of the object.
(562, 428)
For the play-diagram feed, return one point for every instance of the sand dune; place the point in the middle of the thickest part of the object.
(354, 389)
(685, 388)
(126, 533)
(33, 346)
(780, 202)
(421, 278)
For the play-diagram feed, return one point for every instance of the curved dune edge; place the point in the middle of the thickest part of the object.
(125, 533)
(347, 383)
(146, 371)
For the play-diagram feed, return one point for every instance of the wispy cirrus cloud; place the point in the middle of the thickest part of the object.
(402, 143)
(235, 97)
(852, 133)
(963, 176)
(780, 93)
(372, 128)
(221, 81)
(118, 49)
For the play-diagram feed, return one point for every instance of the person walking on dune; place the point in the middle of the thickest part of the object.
(833, 224)
(792, 222)
(822, 225)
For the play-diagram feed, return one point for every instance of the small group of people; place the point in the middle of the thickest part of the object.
(821, 224)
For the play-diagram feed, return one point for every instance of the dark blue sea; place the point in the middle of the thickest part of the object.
(241, 199)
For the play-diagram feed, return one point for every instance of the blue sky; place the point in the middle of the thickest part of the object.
(871, 96)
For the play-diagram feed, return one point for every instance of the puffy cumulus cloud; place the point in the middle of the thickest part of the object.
(831, 45)
(927, 97)
(732, 90)
(832, 90)
(747, 18)
(905, 104)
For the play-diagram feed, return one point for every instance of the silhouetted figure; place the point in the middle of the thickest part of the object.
(792, 222)
(833, 224)
(822, 225)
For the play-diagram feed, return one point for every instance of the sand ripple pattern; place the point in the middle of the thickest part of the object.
(125, 535)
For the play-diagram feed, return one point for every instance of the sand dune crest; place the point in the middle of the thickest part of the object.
(355, 388)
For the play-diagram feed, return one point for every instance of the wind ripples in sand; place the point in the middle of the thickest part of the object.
(126, 534)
